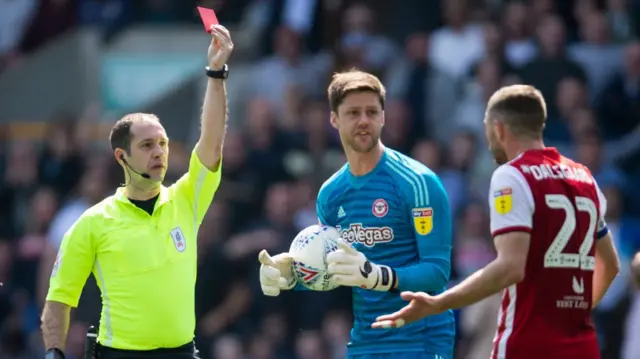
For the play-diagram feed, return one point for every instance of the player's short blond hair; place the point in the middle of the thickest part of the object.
(521, 107)
(344, 83)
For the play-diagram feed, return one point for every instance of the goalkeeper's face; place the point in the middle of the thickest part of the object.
(359, 121)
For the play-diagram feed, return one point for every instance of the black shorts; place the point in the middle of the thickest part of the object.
(187, 351)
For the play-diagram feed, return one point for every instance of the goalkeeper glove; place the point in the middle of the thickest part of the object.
(351, 268)
(276, 273)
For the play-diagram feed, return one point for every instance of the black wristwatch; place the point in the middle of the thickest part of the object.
(221, 74)
(54, 353)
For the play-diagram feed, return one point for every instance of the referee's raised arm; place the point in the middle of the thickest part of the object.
(214, 109)
(203, 178)
(141, 242)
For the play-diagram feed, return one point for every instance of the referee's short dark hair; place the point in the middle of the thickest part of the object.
(120, 136)
(521, 108)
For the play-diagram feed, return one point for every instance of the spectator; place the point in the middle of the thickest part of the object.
(494, 46)
(455, 47)
(590, 153)
(309, 345)
(596, 53)
(619, 104)
(519, 45)
(60, 161)
(623, 23)
(20, 183)
(547, 69)
(397, 130)
(15, 18)
(469, 114)
(288, 66)
(429, 92)
(359, 37)
(571, 95)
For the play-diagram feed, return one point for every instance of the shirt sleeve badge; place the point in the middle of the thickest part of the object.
(422, 220)
(502, 200)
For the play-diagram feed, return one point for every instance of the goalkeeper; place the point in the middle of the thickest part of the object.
(393, 216)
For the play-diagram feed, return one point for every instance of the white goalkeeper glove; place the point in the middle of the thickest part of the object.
(276, 273)
(351, 268)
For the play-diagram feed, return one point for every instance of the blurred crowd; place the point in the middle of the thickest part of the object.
(440, 61)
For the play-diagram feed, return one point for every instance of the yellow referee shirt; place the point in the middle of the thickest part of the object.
(145, 265)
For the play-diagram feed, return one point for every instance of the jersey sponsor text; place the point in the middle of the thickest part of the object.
(369, 236)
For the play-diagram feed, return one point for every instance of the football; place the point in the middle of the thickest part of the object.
(309, 251)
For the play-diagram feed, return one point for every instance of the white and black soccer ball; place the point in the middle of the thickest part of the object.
(309, 251)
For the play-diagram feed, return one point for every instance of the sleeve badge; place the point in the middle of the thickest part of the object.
(502, 200)
(422, 220)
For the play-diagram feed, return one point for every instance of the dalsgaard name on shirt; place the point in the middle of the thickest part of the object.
(557, 172)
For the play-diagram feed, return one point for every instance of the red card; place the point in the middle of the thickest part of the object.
(208, 17)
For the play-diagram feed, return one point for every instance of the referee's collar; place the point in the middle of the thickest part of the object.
(162, 198)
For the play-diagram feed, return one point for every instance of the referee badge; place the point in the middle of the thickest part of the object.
(178, 239)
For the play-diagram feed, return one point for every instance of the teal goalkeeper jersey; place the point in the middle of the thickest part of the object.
(397, 215)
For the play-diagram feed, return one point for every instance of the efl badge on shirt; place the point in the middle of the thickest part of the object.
(423, 220)
(502, 200)
(178, 239)
(380, 208)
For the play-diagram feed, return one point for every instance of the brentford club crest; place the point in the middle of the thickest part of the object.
(380, 208)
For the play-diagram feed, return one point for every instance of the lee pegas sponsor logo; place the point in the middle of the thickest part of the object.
(368, 236)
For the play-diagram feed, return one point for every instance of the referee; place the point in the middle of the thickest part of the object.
(140, 243)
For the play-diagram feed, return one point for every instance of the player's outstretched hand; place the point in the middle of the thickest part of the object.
(220, 48)
(349, 267)
(420, 306)
(275, 273)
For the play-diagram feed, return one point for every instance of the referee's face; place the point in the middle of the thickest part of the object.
(359, 121)
(149, 150)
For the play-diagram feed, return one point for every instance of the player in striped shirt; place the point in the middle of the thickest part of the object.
(556, 257)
